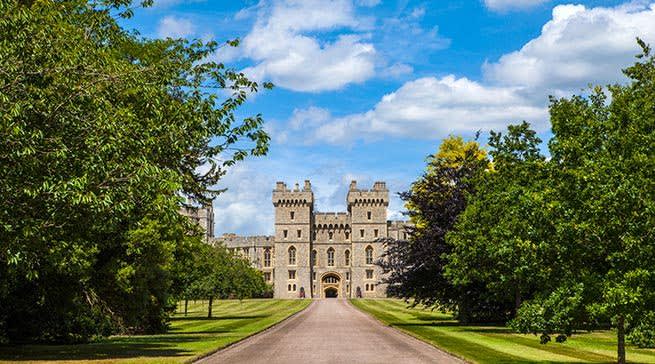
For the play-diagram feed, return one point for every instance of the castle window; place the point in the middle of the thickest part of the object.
(314, 277)
(292, 256)
(361, 233)
(368, 215)
(292, 274)
(330, 235)
(404, 235)
(369, 255)
(330, 257)
(299, 233)
(285, 233)
(372, 287)
(246, 251)
(294, 287)
(267, 257)
(292, 215)
(347, 276)
(375, 233)
(369, 274)
(347, 235)
(289, 288)
(314, 256)
(267, 276)
(366, 287)
(347, 255)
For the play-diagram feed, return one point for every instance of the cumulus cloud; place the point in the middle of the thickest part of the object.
(285, 53)
(426, 108)
(174, 27)
(505, 5)
(577, 46)
(246, 207)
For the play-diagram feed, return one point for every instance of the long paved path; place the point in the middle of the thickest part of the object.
(331, 331)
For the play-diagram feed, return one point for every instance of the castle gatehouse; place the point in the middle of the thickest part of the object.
(319, 254)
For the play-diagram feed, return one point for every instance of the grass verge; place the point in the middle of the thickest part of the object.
(189, 337)
(496, 344)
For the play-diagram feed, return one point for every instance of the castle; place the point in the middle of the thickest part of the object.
(319, 254)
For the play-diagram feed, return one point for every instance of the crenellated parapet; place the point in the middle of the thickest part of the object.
(376, 196)
(283, 196)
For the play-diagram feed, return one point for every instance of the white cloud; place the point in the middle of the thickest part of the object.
(505, 5)
(426, 108)
(174, 27)
(577, 46)
(402, 39)
(285, 54)
(246, 207)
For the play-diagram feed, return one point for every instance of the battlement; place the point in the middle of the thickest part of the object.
(331, 219)
(236, 241)
(378, 195)
(283, 196)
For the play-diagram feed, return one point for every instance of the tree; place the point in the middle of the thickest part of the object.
(223, 274)
(499, 240)
(102, 133)
(415, 268)
(603, 155)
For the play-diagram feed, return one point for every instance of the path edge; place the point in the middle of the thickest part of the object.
(210, 353)
(409, 334)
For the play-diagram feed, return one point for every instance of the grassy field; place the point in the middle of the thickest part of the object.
(188, 338)
(493, 344)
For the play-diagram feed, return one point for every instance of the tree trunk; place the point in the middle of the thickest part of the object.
(186, 306)
(517, 301)
(620, 335)
(211, 301)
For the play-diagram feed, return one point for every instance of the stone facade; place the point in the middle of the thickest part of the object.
(317, 254)
(203, 216)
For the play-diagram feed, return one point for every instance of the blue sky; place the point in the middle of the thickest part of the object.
(366, 89)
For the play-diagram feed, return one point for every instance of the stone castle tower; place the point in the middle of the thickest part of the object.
(329, 254)
(323, 254)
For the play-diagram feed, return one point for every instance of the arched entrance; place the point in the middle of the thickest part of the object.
(331, 292)
(331, 285)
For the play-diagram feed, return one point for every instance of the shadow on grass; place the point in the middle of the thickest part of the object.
(218, 318)
(95, 351)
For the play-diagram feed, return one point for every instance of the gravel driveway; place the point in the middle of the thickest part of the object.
(331, 331)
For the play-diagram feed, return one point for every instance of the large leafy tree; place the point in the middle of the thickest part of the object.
(415, 268)
(603, 153)
(222, 274)
(500, 239)
(102, 133)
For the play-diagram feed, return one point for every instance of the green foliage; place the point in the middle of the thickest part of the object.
(415, 268)
(223, 274)
(560, 312)
(574, 234)
(499, 240)
(642, 333)
(101, 133)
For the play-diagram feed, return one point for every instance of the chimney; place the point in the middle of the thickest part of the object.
(353, 185)
(308, 186)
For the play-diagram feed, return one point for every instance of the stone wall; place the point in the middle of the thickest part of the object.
(328, 236)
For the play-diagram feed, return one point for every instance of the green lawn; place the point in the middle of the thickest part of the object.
(188, 338)
(494, 344)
